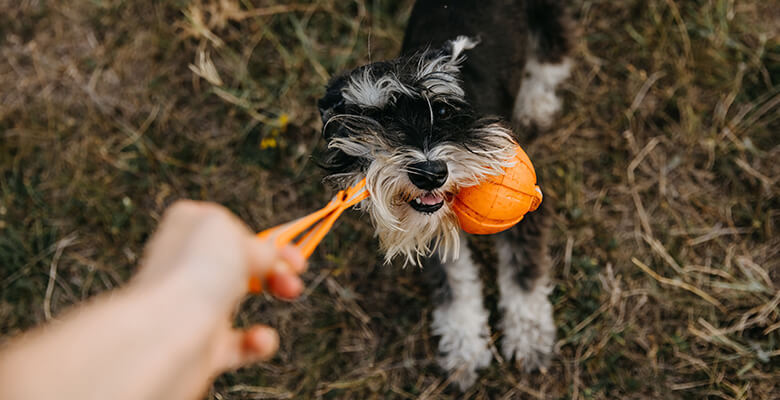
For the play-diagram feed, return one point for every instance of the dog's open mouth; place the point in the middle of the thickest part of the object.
(427, 203)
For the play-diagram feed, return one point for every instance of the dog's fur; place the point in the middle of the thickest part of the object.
(443, 116)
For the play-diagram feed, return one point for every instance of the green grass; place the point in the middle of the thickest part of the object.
(662, 168)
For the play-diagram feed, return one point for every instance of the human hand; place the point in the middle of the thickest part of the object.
(167, 333)
(208, 255)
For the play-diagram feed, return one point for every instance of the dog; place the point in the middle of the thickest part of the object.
(473, 78)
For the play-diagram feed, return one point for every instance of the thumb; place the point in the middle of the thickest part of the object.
(258, 343)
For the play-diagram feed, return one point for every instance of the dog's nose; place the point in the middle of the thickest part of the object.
(428, 175)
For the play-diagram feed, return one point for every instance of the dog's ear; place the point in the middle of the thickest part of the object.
(332, 102)
(438, 70)
(457, 46)
(453, 49)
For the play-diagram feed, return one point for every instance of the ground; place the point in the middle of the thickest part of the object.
(663, 170)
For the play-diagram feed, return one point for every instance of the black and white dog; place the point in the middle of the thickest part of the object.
(440, 117)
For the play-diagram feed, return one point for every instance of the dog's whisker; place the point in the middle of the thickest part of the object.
(430, 109)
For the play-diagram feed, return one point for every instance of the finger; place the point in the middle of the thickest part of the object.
(258, 343)
(283, 284)
(280, 282)
(262, 256)
(294, 259)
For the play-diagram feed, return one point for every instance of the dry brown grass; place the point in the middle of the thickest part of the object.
(663, 169)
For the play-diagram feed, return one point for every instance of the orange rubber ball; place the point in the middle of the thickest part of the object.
(499, 202)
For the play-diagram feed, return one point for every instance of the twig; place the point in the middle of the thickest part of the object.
(640, 208)
(314, 284)
(688, 385)
(525, 389)
(713, 233)
(347, 300)
(585, 322)
(678, 284)
(567, 256)
(709, 271)
(661, 250)
(61, 245)
(640, 95)
(746, 265)
(686, 39)
(766, 182)
(771, 329)
(277, 9)
(261, 392)
(715, 336)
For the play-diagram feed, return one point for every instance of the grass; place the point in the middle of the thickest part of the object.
(663, 171)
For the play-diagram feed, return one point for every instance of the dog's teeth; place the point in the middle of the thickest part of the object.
(418, 201)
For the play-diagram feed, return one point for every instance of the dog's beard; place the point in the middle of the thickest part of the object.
(401, 229)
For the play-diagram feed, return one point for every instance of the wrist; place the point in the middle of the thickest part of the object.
(176, 338)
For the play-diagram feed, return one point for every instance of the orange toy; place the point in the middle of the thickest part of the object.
(492, 206)
(315, 225)
(500, 201)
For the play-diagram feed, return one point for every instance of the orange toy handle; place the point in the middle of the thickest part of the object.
(319, 221)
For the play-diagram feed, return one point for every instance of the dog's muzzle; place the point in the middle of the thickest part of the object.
(428, 175)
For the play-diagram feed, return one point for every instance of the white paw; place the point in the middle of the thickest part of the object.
(463, 342)
(536, 101)
(529, 329)
(538, 108)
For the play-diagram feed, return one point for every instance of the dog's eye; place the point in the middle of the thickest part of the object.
(442, 111)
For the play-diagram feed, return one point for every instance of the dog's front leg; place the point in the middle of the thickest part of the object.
(523, 282)
(460, 319)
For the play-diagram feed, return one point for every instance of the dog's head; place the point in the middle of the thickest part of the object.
(406, 127)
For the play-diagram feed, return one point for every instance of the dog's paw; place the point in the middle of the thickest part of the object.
(529, 331)
(463, 343)
(529, 342)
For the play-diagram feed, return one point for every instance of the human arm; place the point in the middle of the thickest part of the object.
(169, 332)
